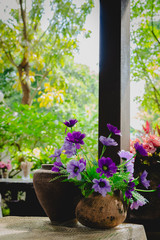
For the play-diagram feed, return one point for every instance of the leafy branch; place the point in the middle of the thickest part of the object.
(39, 85)
(23, 15)
(152, 23)
(7, 53)
(156, 92)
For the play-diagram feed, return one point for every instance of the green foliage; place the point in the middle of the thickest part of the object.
(6, 82)
(24, 129)
(5, 211)
(28, 133)
(139, 197)
(145, 48)
(80, 82)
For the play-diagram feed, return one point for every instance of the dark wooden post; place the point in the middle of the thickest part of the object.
(114, 71)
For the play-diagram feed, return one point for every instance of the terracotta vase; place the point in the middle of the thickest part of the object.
(5, 174)
(101, 212)
(58, 199)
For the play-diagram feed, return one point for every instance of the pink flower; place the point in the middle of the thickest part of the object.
(147, 128)
(8, 165)
(155, 140)
(2, 165)
(132, 149)
(149, 147)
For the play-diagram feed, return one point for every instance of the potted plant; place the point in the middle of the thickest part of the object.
(106, 188)
(5, 167)
(148, 166)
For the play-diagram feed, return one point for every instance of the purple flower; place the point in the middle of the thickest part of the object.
(130, 188)
(102, 186)
(106, 166)
(113, 129)
(56, 166)
(139, 148)
(56, 155)
(108, 141)
(69, 147)
(83, 161)
(125, 155)
(76, 137)
(137, 204)
(70, 123)
(130, 167)
(145, 182)
(75, 168)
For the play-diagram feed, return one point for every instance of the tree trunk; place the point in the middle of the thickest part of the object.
(23, 70)
(26, 93)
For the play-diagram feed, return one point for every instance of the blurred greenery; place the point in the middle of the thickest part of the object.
(5, 211)
(38, 70)
(145, 55)
(30, 133)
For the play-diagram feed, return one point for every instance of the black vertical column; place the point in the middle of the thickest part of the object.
(114, 69)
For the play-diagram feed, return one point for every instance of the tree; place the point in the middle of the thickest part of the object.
(81, 87)
(145, 52)
(36, 52)
(32, 133)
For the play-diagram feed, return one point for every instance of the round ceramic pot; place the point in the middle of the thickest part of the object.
(101, 212)
(58, 199)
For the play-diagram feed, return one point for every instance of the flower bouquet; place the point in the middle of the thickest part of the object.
(4, 168)
(150, 141)
(100, 179)
(148, 165)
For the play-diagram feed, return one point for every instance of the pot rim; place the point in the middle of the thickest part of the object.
(47, 166)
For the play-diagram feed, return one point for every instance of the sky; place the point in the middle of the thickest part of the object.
(89, 48)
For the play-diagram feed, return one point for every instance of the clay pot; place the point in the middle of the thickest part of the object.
(58, 199)
(101, 212)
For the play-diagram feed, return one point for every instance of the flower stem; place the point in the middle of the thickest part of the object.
(87, 177)
(84, 154)
(126, 162)
(110, 135)
(103, 150)
(104, 147)
(92, 156)
(141, 190)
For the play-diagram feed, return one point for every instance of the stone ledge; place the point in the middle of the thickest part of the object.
(40, 228)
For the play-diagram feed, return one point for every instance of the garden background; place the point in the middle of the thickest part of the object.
(43, 83)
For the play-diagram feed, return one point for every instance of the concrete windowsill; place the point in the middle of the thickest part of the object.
(40, 228)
